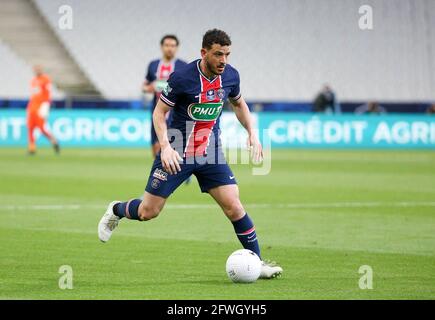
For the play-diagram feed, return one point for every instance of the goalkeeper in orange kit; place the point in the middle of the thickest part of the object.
(38, 109)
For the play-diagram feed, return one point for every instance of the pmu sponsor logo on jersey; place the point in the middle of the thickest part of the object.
(160, 174)
(205, 111)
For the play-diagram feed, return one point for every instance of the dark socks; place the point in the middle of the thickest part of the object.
(245, 231)
(127, 209)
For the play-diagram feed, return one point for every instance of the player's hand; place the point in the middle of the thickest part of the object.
(255, 149)
(149, 88)
(170, 159)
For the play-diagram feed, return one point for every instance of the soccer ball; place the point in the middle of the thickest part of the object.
(243, 266)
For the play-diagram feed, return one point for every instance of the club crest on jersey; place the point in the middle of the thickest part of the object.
(210, 95)
(205, 111)
(160, 174)
(167, 89)
(155, 183)
(221, 93)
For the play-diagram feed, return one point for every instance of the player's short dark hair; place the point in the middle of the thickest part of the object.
(169, 36)
(215, 36)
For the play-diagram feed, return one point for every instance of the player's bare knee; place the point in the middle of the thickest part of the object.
(147, 212)
(234, 210)
(141, 213)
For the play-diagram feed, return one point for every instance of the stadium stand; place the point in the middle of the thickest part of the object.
(18, 85)
(27, 34)
(281, 66)
(278, 62)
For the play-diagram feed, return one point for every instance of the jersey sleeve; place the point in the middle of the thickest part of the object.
(235, 93)
(180, 63)
(150, 75)
(173, 90)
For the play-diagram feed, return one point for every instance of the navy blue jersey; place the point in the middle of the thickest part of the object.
(159, 72)
(197, 105)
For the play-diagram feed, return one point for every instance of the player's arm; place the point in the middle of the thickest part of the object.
(169, 157)
(148, 87)
(243, 114)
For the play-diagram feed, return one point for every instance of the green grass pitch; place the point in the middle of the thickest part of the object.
(320, 214)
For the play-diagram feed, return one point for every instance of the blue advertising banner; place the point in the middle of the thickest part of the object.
(283, 130)
(81, 128)
(349, 131)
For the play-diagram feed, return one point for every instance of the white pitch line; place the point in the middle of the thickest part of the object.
(249, 205)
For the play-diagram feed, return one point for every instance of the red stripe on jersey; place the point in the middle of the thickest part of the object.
(164, 71)
(199, 137)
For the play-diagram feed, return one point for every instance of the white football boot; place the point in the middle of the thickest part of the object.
(270, 270)
(108, 223)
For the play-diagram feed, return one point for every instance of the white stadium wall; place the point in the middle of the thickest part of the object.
(15, 74)
(284, 49)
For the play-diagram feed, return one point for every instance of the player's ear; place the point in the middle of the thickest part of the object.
(203, 52)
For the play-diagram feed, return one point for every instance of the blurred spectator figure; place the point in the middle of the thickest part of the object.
(371, 107)
(431, 109)
(326, 102)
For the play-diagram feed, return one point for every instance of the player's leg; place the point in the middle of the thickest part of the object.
(219, 182)
(143, 209)
(159, 187)
(227, 196)
(135, 209)
(31, 135)
(48, 134)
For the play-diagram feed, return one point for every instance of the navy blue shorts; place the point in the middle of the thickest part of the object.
(161, 183)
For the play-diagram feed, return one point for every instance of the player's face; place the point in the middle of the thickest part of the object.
(169, 48)
(37, 70)
(216, 58)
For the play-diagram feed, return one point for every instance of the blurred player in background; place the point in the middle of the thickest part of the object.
(38, 109)
(157, 76)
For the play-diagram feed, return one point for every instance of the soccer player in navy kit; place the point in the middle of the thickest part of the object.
(157, 75)
(191, 144)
